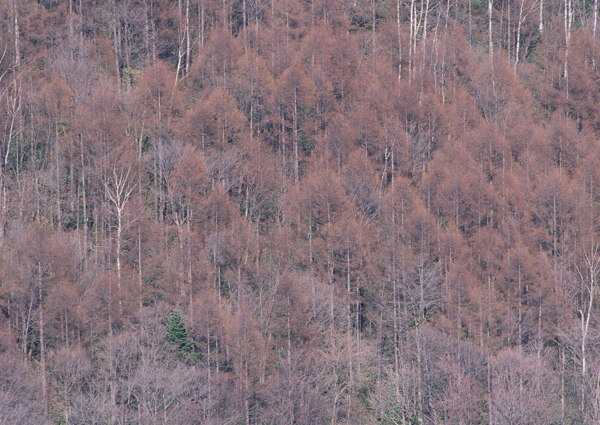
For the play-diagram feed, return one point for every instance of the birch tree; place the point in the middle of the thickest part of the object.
(119, 184)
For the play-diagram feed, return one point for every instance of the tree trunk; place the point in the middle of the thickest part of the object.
(296, 177)
(16, 35)
(595, 18)
(399, 40)
(116, 42)
(84, 206)
(244, 24)
(568, 20)
(188, 52)
(518, 43)
(42, 343)
(541, 25)
(490, 41)
(119, 231)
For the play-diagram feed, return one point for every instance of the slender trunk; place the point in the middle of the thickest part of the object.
(188, 57)
(42, 343)
(374, 23)
(470, 22)
(189, 260)
(181, 266)
(139, 228)
(411, 37)
(541, 25)
(583, 367)
(595, 18)
(14, 106)
(568, 20)
(57, 166)
(116, 42)
(147, 33)
(349, 348)
(423, 47)
(26, 327)
(396, 322)
(289, 333)
(246, 395)
(520, 314)
(562, 386)
(159, 180)
(296, 136)
(70, 18)
(491, 47)
(508, 34)
(419, 374)
(140, 274)
(84, 206)
(180, 53)
(518, 43)
(81, 26)
(244, 24)
(336, 390)
(490, 41)
(119, 231)
(16, 35)
(201, 23)
(585, 314)
(399, 40)
(251, 111)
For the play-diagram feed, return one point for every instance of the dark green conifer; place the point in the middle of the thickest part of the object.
(177, 334)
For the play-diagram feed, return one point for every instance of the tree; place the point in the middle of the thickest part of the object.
(178, 336)
(523, 390)
(19, 401)
(294, 97)
(119, 184)
(69, 370)
(333, 212)
(215, 122)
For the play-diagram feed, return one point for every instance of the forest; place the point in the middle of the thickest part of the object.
(299, 212)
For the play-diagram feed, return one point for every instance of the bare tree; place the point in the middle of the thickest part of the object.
(524, 391)
(119, 184)
(588, 275)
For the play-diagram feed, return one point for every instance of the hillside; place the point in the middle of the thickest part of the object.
(299, 212)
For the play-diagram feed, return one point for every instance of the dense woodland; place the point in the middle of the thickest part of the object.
(299, 212)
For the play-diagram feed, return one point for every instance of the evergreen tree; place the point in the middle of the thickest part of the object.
(177, 334)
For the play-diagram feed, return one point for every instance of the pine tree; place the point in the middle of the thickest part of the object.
(177, 334)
